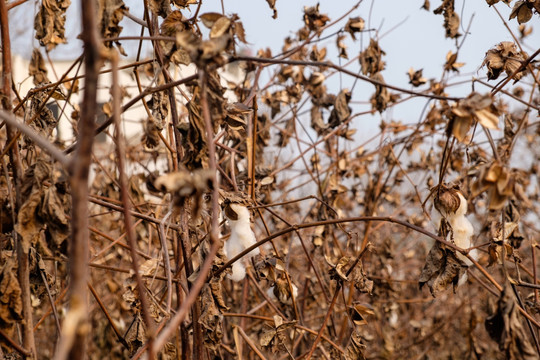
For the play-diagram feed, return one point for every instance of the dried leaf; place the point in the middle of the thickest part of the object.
(451, 19)
(37, 68)
(211, 320)
(441, 269)
(504, 57)
(110, 13)
(354, 25)
(522, 11)
(355, 349)
(505, 327)
(416, 78)
(272, 5)
(10, 295)
(160, 7)
(49, 23)
(371, 59)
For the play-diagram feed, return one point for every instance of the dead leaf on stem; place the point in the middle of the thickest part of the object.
(451, 19)
(505, 57)
(441, 269)
(275, 336)
(37, 68)
(505, 327)
(49, 23)
(474, 108)
(110, 13)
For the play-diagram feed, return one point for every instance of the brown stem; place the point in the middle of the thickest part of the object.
(73, 339)
(124, 195)
(15, 160)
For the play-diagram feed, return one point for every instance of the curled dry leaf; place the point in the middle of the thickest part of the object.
(136, 334)
(359, 312)
(272, 5)
(342, 48)
(475, 107)
(523, 11)
(380, 99)
(355, 349)
(211, 319)
(10, 296)
(313, 19)
(505, 327)
(185, 184)
(451, 19)
(110, 13)
(371, 58)
(451, 62)
(498, 181)
(275, 336)
(416, 78)
(184, 3)
(505, 57)
(37, 68)
(49, 23)
(354, 25)
(441, 269)
(341, 110)
(174, 24)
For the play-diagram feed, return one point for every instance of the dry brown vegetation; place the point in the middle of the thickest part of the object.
(247, 222)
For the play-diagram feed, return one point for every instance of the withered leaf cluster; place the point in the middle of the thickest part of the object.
(505, 327)
(451, 18)
(50, 22)
(442, 269)
(110, 15)
(505, 57)
(475, 108)
(37, 68)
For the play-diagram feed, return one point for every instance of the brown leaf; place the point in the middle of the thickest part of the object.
(504, 57)
(49, 23)
(10, 295)
(358, 313)
(371, 59)
(416, 78)
(37, 68)
(160, 7)
(184, 3)
(211, 320)
(355, 349)
(522, 10)
(441, 269)
(275, 336)
(451, 64)
(110, 13)
(136, 334)
(354, 25)
(451, 19)
(272, 5)
(505, 327)
(341, 110)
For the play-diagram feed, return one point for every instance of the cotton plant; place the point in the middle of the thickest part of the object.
(241, 238)
(453, 207)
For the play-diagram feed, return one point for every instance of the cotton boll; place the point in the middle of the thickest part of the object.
(241, 238)
(238, 271)
(462, 229)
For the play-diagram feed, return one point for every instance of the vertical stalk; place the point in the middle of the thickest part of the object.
(15, 160)
(75, 327)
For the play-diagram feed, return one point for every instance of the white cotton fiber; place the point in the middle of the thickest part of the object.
(241, 238)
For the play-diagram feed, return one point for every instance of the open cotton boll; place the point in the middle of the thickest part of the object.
(241, 238)
(462, 229)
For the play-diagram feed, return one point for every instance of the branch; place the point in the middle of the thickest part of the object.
(39, 140)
